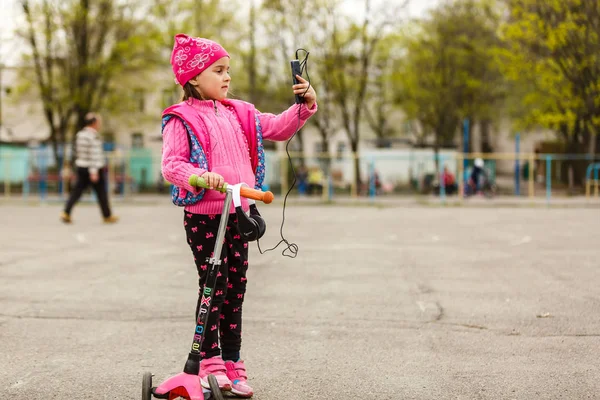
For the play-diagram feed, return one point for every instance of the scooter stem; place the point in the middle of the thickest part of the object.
(192, 365)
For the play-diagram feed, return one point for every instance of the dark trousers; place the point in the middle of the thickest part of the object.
(225, 317)
(83, 181)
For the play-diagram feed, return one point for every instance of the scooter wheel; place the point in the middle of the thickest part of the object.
(214, 388)
(147, 386)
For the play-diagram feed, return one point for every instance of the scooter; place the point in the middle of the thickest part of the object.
(187, 383)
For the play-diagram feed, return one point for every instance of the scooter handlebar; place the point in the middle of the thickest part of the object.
(249, 193)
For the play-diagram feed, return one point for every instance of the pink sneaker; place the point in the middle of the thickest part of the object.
(214, 366)
(236, 372)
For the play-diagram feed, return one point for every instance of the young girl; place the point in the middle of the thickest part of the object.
(224, 137)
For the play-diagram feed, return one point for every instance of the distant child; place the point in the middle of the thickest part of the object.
(477, 175)
(225, 138)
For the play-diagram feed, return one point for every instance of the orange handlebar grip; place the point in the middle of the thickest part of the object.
(249, 193)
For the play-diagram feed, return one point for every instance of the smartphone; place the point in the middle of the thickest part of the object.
(296, 70)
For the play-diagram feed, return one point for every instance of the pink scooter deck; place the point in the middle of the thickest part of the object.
(183, 385)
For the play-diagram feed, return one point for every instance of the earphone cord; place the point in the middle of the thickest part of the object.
(292, 248)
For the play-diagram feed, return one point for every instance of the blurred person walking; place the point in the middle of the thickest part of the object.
(90, 164)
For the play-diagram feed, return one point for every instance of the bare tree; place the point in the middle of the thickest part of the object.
(287, 26)
(251, 57)
(352, 53)
(382, 102)
(325, 120)
(57, 107)
(80, 53)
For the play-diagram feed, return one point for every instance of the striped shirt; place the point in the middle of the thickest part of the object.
(88, 147)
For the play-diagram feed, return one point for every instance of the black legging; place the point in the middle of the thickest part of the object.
(83, 181)
(225, 317)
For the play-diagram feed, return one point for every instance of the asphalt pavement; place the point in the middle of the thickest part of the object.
(414, 302)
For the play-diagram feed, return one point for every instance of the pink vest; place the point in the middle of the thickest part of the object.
(194, 120)
(246, 113)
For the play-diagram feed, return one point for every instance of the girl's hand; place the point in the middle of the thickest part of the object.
(214, 180)
(310, 96)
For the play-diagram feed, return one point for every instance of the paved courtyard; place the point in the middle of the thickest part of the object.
(410, 302)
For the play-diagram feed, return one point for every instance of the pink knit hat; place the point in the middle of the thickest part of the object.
(192, 55)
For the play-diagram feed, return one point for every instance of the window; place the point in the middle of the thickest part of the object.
(340, 150)
(137, 140)
(318, 147)
(139, 100)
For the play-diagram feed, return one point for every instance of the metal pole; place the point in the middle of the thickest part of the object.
(123, 172)
(596, 180)
(531, 173)
(442, 183)
(329, 187)
(459, 175)
(548, 177)
(465, 149)
(517, 169)
(353, 188)
(42, 168)
(26, 187)
(372, 187)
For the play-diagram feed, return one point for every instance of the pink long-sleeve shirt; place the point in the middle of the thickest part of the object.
(229, 154)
